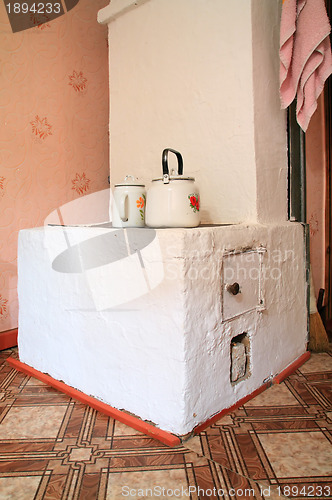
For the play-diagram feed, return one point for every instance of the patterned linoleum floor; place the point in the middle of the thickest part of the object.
(276, 445)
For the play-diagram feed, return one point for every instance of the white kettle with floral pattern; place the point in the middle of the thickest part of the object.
(172, 200)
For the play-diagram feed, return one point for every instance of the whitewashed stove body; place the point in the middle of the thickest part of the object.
(142, 318)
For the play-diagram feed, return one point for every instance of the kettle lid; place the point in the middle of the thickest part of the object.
(175, 178)
(129, 180)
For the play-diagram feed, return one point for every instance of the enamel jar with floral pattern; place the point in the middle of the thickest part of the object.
(172, 200)
(128, 203)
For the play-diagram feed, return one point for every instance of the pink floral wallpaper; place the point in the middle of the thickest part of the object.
(53, 126)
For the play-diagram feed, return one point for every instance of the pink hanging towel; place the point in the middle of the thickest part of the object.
(305, 55)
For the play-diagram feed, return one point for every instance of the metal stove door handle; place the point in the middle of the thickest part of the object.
(233, 289)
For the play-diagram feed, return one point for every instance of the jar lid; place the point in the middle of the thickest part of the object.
(129, 180)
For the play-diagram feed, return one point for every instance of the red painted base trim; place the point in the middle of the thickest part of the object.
(8, 339)
(291, 368)
(201, 427)
(134, 422)
(276, 380)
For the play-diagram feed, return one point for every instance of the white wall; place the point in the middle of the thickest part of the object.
(270, 120)
(201, 76)
(180, 76)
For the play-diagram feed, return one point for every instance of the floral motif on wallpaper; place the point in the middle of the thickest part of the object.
(2, 185)
(3, 307)
(78, 81)
(81, 183)
(43, 26)
(41, 128)
(39, 20)
(313, 224)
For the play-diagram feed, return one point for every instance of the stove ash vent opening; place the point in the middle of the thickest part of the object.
(240, 358)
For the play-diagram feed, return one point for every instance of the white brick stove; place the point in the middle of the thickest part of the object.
(142, 318)
(145, 319)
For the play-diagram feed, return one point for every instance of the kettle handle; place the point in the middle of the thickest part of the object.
(165, 161)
